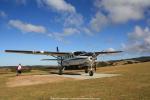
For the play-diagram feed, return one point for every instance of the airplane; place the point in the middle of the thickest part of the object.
(81, 59)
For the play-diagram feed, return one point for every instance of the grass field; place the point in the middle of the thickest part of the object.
(133, 84)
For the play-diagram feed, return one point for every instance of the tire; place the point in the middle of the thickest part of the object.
(91, 73)
(60, 71)
(95, 68)
(86, 69)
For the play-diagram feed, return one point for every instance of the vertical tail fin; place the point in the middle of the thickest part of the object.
(57, 49)
(59, 59)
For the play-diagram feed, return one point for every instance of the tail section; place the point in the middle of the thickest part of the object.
(59, 58)
(57, 49)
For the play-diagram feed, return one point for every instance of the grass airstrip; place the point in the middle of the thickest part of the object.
(132, 84)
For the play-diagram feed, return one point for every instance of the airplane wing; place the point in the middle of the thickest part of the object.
(107, 52)
(39, 52)
(48, 59)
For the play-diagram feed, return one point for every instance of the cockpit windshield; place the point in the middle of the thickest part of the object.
(77, 53)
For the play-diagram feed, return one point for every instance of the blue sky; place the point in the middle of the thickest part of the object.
(90, 25)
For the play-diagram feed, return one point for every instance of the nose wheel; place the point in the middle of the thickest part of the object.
(91, 73)
(92, 68)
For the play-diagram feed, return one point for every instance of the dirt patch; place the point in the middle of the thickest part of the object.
(34, 79)
(42, 79)
(84, 76)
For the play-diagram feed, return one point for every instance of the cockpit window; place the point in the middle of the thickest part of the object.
(79, 53)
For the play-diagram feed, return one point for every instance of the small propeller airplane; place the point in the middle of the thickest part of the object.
(82, 59)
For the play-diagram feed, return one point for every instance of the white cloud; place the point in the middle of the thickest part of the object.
(2, 14)
(70, 20)
(58, 5)
(117, 12)
(98, 22)
(120, 11)
(65, 33)
(70, 31)
(58, 36)
(110, 49)
(87, 31)
(27, 27)
(138, 33)
(74, 20)
(139, 40)
(68, 15)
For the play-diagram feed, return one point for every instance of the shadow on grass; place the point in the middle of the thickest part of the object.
(66, 73)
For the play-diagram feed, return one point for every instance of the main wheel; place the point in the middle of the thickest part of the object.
(86, 69)
(60, 70)
(94, 66)
(91, 73)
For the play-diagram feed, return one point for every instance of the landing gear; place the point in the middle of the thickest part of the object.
(91, 73)
(61, 70)
(92, 68)
(86, 69)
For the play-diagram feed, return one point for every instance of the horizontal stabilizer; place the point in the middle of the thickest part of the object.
(48, 59)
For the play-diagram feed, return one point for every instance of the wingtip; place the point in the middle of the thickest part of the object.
(5, 51)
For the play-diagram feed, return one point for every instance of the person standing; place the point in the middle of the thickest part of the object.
(19, 69)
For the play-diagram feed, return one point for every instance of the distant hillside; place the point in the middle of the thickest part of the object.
(123, 61)
(98, 64)
(142, 59)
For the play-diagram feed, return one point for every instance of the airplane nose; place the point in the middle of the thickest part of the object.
(90, 58)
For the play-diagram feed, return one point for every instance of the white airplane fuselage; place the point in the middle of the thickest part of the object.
(81, 61)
